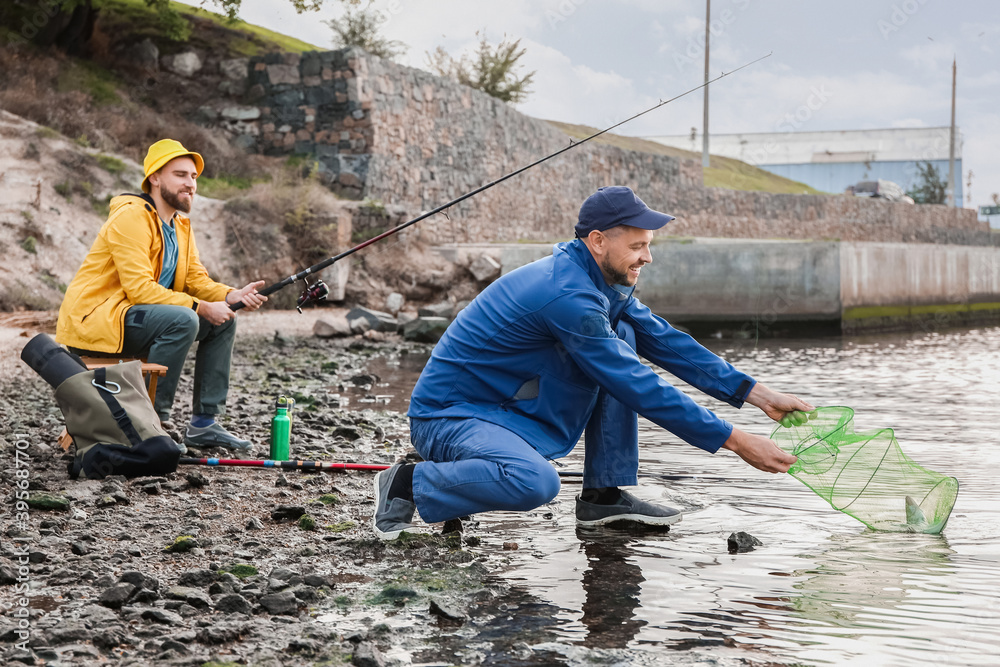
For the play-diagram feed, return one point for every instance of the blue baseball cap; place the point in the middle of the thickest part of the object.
(617, 205)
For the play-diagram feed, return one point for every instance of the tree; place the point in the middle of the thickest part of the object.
(931, 188)
(359, 26)
(491, 69)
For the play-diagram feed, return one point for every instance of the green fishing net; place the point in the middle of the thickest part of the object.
(867, 475)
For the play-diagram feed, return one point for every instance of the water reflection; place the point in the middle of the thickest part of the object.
(612, 584)
(868, 571)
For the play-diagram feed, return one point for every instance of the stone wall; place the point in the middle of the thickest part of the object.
(411, 141)
(759, 215)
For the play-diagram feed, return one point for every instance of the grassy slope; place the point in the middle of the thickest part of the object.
(723, 173)
(241, 38)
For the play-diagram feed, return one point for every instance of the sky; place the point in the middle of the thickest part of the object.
(844, 65)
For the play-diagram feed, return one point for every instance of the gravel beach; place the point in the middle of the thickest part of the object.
(225, 566)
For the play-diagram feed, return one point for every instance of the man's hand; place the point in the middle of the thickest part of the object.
(248, 296)
(758, 451)
(784, 408)
(216, 312)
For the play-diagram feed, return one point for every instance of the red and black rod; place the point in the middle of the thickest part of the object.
(372, 467)
(270, 289)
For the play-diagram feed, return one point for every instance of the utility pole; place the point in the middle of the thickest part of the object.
(704, 122)
(951, 146)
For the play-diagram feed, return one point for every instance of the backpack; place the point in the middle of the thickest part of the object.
(113, 424)
(107, 411)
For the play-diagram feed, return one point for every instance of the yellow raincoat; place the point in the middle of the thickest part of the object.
(121, 271)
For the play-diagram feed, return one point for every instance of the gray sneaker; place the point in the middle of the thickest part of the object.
(628, 508)
(214, 435)
(391, 517)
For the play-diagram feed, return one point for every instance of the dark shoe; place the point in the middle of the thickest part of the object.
(627, 508)
(392, 515)
(214, 435)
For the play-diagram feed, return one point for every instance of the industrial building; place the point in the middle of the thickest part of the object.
(832, 161)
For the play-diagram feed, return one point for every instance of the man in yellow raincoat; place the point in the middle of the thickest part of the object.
(142, 291)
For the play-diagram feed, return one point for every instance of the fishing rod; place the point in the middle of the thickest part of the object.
(318, 290)
(375, 467)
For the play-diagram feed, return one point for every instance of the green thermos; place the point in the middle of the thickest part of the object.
(281, 429)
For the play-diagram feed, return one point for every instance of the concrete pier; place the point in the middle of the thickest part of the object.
(771, 287)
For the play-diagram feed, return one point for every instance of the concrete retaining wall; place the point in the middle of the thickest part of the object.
(863, 286)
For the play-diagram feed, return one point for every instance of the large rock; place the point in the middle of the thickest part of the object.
(377, 320)
(185, 64)
(284, 602)
(485, 269)
(425, 329)
(332, 326)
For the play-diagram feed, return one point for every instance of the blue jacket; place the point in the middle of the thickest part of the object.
(532, 350)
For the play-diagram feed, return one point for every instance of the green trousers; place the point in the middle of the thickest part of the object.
(164, 335)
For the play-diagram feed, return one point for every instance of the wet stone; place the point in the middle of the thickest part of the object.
(116, 596)
(196, 479)
(8, 575)
(195, 597)
(284, 602)
(367, 654)
(47, 501)
(220, 633)
(146, 596)
(287, 512)
(140, 580)
(233, 604)
(196, 577)
(174, 645)
(68, 632)
(447, 611)
(741, 542)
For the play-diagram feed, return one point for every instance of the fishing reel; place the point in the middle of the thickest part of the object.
(318, 291)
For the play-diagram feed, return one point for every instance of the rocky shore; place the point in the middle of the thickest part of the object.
(233, 566)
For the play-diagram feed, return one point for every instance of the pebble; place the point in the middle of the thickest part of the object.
(741, 542)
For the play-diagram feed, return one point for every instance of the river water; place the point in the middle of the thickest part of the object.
(822, 589)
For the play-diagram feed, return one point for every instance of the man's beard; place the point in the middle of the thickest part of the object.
(617, 277)
(173, 198)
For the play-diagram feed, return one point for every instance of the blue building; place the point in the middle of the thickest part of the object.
(832, 161)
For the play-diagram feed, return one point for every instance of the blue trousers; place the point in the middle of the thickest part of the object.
(471, 465)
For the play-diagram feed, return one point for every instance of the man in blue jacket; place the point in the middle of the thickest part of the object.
(551, 350)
